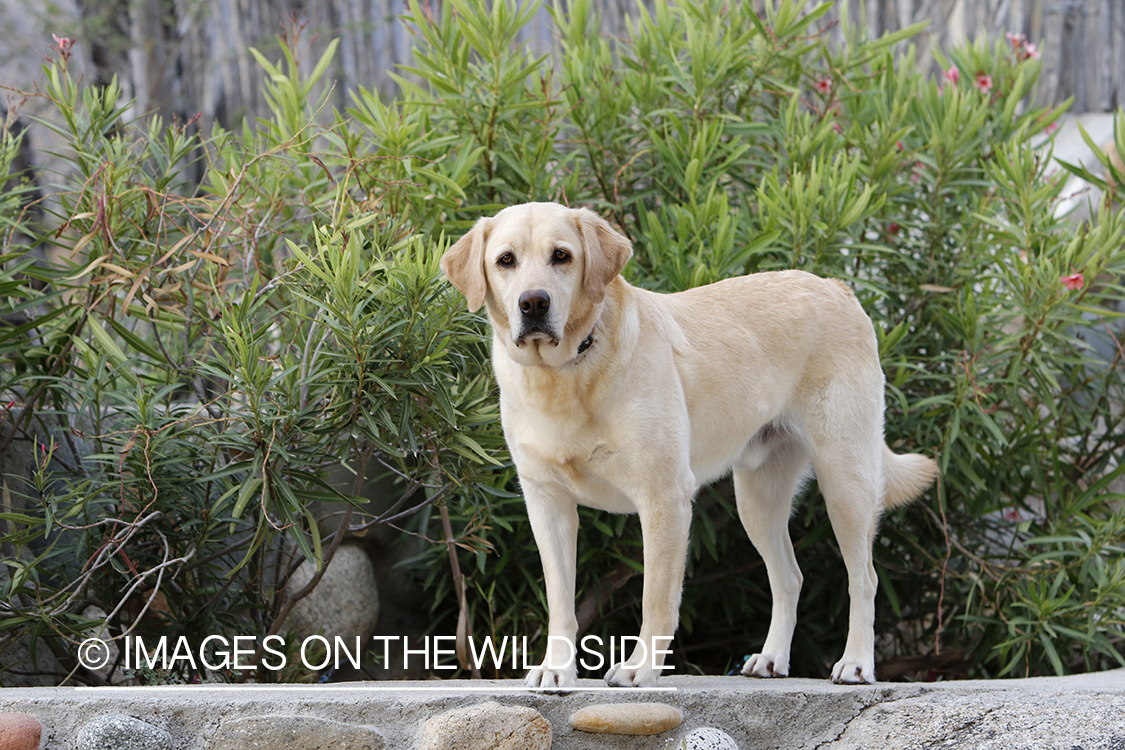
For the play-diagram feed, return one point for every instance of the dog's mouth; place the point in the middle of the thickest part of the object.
(536, 335)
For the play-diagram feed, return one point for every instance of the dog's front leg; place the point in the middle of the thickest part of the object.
(554, 521)
(665, 524)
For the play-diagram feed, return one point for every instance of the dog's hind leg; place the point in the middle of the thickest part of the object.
(764, 486)
(850, 478)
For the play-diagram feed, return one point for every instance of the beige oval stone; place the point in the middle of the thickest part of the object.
(627, 718)
(487, 726)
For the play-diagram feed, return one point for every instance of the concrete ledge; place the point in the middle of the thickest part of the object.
(1083, 711)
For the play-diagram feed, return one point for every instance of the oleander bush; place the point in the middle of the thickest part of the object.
(230, 320)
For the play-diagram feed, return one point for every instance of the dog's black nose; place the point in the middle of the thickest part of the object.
(535, 302)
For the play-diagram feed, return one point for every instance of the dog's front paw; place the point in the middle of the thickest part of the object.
(766, 665)
(624, 675)
(551, 679)
(853, 672)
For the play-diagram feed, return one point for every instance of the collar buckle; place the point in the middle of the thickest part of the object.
(587, 343)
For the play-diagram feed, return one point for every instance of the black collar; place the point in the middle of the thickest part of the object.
(587, 343)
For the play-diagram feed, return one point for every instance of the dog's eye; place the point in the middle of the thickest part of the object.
(507, 260)
(560, 256)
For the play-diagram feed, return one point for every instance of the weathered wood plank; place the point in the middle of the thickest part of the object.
(1050, 45)
(1117, 59)
(1105, 71)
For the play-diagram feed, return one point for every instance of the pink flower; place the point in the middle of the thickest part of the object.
(1017, 40)
(838, 128)
(63, 45)
(953, 74)
(898, 145)
(824, 85)
(1073, 281)
(1032, 52)
(1051, 128)
(984, 82)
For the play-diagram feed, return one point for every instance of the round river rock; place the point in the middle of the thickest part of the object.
(488, 726)
(120, 732)
(19, 732)
(709, 738)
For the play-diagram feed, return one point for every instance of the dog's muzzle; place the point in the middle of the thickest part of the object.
(535, 308)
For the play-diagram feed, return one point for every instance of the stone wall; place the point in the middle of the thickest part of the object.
(697, 713)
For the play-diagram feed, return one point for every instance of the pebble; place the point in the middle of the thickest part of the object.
(120, 732)
(294, 733)
(19, 732)
(627, 718)
(488, 726)
(707, 738)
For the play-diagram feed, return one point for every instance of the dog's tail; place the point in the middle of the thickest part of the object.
(906, 476)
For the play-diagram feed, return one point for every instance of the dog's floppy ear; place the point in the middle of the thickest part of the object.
(464, 264)
(606, 252)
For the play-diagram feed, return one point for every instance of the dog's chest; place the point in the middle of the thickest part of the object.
(546, 418)
(572, 452)
(572, 443)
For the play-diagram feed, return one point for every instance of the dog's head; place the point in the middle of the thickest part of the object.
(542, 269)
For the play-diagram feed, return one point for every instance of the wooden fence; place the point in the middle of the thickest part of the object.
(187, 56)
(1082, 42)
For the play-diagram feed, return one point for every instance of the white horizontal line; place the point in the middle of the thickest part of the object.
(336, 688)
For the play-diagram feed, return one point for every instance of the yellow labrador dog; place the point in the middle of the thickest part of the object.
(628, 400)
